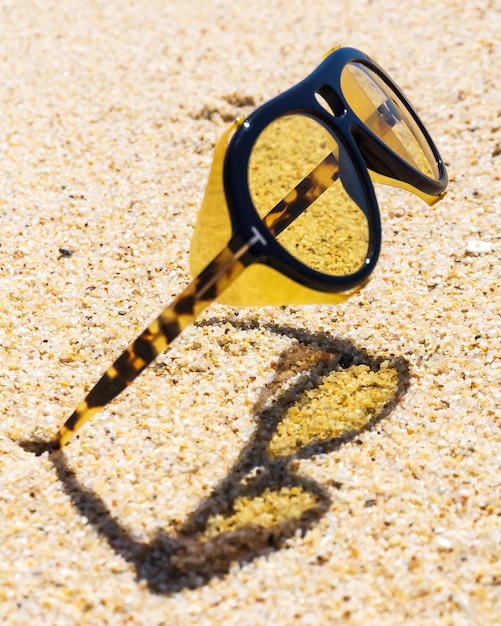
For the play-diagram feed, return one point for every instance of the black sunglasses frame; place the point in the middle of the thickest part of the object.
(252, 238)
(357, 143)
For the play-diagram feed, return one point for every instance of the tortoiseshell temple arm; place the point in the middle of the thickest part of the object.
(304, 194)
(155, 339)
(204, 290)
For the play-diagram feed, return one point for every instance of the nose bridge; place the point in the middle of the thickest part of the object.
(328, 95)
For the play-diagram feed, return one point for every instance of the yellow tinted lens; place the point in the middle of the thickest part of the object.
(296, 187)
(382, 111)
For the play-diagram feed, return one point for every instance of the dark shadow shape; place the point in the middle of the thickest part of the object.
(188, 559)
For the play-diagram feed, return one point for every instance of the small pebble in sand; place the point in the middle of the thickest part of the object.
(476, 246)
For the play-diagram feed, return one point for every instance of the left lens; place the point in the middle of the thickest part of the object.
(387, 116)
(305, 188)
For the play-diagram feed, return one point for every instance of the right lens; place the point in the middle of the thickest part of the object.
(306, 190)
(384, 113)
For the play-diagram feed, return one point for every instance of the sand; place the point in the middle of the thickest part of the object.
(333, 464)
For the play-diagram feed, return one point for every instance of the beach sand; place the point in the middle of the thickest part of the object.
(333, 464)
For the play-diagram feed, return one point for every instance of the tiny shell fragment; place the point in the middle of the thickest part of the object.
(476, 246)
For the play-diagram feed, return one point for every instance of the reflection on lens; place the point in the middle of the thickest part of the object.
(382, 111)
(296, 187)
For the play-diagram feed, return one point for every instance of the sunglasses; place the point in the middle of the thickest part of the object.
(290, 200)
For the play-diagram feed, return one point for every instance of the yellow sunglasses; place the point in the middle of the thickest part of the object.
(290, 200)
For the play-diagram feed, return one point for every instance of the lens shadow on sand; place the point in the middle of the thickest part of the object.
(325, 393)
